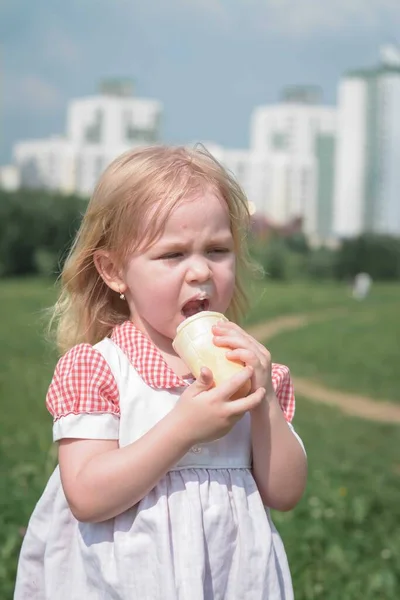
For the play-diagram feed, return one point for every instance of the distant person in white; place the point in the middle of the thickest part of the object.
(362, 286)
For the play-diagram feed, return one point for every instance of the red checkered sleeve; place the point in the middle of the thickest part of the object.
(82, 384)
(283, 385)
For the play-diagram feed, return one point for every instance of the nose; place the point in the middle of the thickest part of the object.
(198, 269)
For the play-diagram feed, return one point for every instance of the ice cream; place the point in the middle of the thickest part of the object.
(194, 344)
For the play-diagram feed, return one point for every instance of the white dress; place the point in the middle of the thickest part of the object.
(202, 533)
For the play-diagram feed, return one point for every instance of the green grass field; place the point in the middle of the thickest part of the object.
(358, 352)
(343, 539)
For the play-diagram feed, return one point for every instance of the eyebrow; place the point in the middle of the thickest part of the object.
(178, 244)
(217, 239)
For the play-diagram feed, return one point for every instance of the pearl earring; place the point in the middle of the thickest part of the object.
(121, 295)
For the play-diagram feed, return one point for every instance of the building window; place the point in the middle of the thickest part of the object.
(280, 140)
(93, 131)
(133, 133)
(51, 162)
(98, 167)
(304, 188)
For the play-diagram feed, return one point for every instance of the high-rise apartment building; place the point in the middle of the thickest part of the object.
(99, 128)
(113, 118)
(250, 169)
(298, 135)
(288, 171)
(367, 191)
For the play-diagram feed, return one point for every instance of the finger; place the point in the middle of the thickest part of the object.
(247, 357)
(230, 341)
(228, 325)
(232, 330)
(217, 330)
(242, 405)
(233, 341)
(227, 388)
(235, 345)
(205, 380)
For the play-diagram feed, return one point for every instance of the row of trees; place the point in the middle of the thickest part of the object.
(36, 229)
(292, 258)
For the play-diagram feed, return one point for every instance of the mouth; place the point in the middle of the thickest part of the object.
(194, 306)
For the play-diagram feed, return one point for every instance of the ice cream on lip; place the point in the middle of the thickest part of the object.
(197, 303)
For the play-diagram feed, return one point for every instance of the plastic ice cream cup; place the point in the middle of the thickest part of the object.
(194, 344)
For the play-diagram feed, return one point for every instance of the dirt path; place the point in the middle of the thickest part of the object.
(352, 404)
(265, 331)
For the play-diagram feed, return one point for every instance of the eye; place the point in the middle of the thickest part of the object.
(171, 256)
(219, 250)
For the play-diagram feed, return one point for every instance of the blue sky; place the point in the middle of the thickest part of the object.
(209, 61)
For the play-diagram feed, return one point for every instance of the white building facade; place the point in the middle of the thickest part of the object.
(46, 164)
(9, 178)
(288, 171)
(250, 169)
(99, 128)
(299, 137)
(367, 191)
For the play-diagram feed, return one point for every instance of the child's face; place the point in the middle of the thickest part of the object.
(190, 268)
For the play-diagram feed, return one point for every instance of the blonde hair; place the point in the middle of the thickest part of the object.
(129, 208)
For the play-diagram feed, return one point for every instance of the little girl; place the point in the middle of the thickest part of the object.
(164, 483)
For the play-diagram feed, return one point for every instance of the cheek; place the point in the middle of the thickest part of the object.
(227, 275)
(231, 270)
(160, 288)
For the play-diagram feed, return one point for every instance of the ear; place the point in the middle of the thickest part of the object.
(108, 271)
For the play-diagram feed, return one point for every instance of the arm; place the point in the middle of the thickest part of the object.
(101, 480)
(279, 461)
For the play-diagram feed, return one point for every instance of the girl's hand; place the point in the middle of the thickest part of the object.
(208, 413)
(242, 347)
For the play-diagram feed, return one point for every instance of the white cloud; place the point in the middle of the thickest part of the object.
(214, 12)
(309, 16)
(296, 16)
